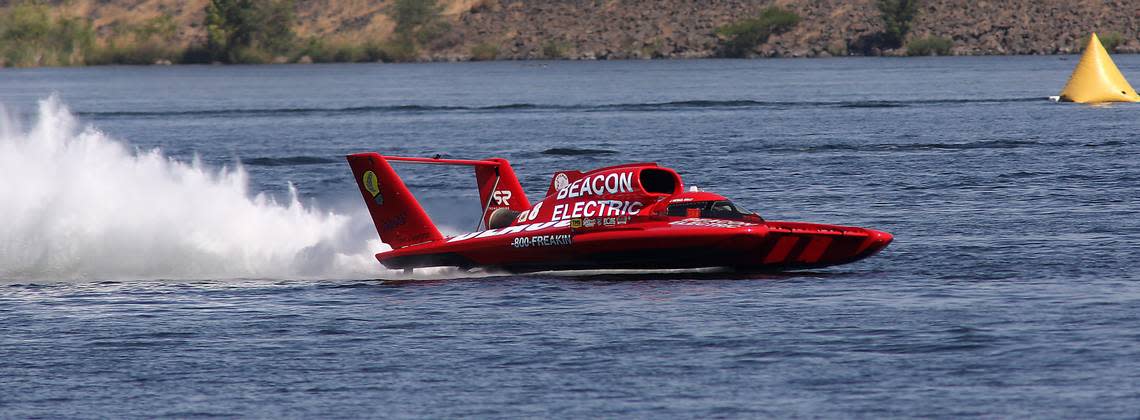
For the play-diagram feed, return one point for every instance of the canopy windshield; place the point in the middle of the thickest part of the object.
(720, 209)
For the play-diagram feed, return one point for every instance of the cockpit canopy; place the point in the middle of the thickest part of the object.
(709, 209)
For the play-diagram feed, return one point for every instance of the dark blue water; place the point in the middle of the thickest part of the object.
(1010, 290)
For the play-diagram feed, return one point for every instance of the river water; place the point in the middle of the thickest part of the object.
(187, 241)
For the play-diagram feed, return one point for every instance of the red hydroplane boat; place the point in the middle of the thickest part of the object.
(632, 216)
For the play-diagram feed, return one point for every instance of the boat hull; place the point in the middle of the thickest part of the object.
(688, 243)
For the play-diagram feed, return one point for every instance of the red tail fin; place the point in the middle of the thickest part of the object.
(499, 188)
(399, 219)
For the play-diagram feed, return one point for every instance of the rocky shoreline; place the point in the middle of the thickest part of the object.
(364, 30)
(639, 29)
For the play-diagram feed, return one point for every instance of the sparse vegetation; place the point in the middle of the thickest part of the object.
(652, 49)
(413, 15)
(399, 50)
(931, 45)
(739, 38)
(897, 17)
(555, 50)
(153, 40)
(260, 31)
(34, 35)
(432, 32)
(418, 23)
(248, 31)
(1110, 40)
(837, 49)
(64, 32)
(484, 52)
(320, 51)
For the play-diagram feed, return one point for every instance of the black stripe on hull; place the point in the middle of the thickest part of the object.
(677, 258)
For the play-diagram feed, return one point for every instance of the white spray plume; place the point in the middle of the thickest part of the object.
(76, 204)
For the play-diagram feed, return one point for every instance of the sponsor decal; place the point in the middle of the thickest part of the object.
(529, 215)
(712, 223)
(599, 222)
(561, 181)
(532, 227)
(501, 197)
(595, 208)
(562, 239)
(394, 222)
(611, 183)
(372, 185)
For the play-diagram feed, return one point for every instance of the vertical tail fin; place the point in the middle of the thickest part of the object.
(398, 217)
(499, 188)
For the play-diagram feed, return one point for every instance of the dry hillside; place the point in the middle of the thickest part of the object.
(597, 29)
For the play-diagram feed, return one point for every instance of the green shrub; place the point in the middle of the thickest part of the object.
(399, 49)
(740, 37)
(431, 32)
(247, 31)
(132, 53)
(897, 17)
(555, 50)
(321, 51)
(1109, 40)
(376, 52)
(250, 55)
(31, 36)
(651, 49)
(316, 49)
(418, 22)
(484, 52)
(160, 27)
(195, 54)
(411, 15)
(350, 53)
(144, 43)
(931, 45)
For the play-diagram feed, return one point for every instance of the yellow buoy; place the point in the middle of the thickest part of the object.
(1096, 78)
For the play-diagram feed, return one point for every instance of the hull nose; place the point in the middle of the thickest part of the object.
(847, 251)
(879, 240)
(803, 246)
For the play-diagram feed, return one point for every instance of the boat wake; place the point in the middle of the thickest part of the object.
(77, 204)
(670, 106)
